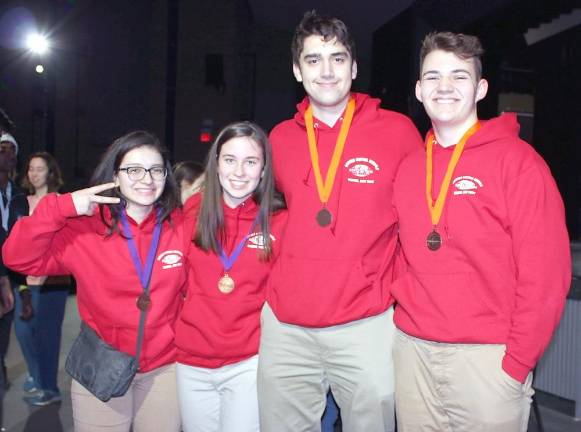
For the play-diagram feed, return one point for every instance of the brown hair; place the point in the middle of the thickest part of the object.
(54, 179)
(327, 27)
(109, 166)
(464, 46)
(210, 224)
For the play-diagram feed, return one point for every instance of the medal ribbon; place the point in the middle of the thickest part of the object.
(324, 189)
(228, 261)
(143, 274)
(437, 207)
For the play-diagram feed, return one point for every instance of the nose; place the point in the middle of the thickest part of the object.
(239, 170)
(327, 68)
(445, 84)
(147, 178)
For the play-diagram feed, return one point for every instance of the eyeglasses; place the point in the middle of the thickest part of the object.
(138, 173)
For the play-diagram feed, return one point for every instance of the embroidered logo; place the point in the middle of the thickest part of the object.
(361, 170)
(170, 259)
(466, 185)
(256, 241)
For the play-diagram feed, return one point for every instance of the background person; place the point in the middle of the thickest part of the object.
(43, 331)
(189, 177)
(13, 205)
(236, 225)
(84, 234)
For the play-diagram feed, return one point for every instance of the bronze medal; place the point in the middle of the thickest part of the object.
(434, 241)
(226, 284)
(324, 217)
(143, 302)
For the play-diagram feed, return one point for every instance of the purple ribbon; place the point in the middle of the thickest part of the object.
(228, 261)
(144, 274)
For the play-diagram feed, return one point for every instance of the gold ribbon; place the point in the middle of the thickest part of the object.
(324, 189)
(437, 207)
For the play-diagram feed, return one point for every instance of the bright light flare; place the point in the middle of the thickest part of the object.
(37, 43)
(39, 69)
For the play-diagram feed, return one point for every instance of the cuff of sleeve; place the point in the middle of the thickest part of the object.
(515, 369)
(66, 206)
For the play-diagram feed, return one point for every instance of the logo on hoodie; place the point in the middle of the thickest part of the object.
(361, 170)
(170, 259)
(466, 185)
(256, 241)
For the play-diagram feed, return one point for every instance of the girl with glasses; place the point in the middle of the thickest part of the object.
(92, 234)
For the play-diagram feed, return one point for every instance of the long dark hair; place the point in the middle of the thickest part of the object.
(110, 163)
(54, 180)
(210, 225)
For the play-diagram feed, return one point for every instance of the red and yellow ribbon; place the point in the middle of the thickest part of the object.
(324, 189)
(437, 207)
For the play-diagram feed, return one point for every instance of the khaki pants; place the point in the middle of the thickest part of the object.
(297, 365)
(457, 388)
(150, 405)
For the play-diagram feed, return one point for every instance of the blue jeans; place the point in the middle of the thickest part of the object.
(26, 332)
(330, 416)
(50, 313)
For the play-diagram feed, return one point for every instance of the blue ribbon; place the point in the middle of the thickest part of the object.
(228, 261)
(144, 274)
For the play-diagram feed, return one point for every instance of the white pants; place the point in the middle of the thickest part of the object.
(457, 387)
(219, 400)
(299, 364)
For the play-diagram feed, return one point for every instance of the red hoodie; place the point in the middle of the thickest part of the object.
(340, 273)
(504, 269)
(216, 329)
(54, 241)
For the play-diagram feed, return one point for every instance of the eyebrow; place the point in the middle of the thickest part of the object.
(335, 54)
(234, 156)
(439, 73)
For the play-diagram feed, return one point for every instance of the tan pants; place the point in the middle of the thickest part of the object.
(297, 365)
(150, 405)
(457, 388)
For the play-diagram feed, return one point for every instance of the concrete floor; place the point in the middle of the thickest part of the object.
(58, 417)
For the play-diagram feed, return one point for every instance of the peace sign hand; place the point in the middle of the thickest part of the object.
(87, 200)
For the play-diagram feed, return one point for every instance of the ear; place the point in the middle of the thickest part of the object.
(116, 180)
(419, 91)
(354, 70)
(481, 89)
(297, 73)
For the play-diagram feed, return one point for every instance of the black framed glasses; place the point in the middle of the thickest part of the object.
(137, 173)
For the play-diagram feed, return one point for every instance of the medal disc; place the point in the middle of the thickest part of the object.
(324, 217)
(434, 241)
(226, 284)
(143, 302)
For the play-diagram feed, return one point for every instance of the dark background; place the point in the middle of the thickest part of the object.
(182, 68)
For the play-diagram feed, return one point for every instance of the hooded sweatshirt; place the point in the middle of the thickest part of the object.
(216, 329)
(55, 241)
(340, 273)
(503, 271)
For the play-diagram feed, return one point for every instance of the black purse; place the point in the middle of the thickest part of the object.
(100, 368)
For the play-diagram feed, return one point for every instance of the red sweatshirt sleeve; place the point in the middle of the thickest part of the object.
(35, 241)
(543, 263)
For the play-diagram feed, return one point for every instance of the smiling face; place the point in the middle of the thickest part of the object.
(326, 70)
(37, 172)
(449, 90)
(240, 166)
(140, 195)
